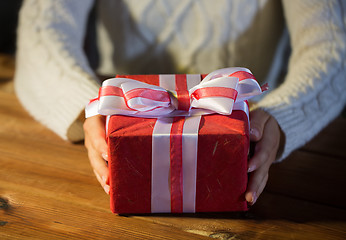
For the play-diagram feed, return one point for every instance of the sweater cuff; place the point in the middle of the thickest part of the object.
(300, 123)
(75, 132)
(69, 113)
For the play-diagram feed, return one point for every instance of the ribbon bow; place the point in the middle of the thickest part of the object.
(216, 93)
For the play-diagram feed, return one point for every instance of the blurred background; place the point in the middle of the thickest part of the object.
(8, 24)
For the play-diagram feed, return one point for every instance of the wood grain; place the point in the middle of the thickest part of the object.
(330, 141)
(310, 176)
(48, 191)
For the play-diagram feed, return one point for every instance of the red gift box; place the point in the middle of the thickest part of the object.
(220, 171)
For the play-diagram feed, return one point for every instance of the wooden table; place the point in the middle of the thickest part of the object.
(48, 191)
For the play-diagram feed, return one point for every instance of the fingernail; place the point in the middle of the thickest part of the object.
(106, 188)
(254, 132)
(105, 156)
(104, 179)
(251, 168)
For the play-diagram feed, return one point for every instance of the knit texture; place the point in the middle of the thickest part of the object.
(54, 80)
(313, 92)
(186, 36)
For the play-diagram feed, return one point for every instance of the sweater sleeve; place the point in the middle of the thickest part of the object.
(313, 92)
(53, 79)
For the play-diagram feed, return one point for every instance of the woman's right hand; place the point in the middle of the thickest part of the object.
(95, 143)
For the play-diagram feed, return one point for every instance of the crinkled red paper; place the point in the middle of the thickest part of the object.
(223, 144)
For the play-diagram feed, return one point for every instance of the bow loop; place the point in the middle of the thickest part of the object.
(144, 97)
(216, 93)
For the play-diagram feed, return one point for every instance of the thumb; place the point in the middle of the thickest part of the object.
(258, 119)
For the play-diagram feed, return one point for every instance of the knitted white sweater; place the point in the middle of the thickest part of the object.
(54, 81)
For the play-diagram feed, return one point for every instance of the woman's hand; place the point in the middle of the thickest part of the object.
(95, 142)
(265, 132)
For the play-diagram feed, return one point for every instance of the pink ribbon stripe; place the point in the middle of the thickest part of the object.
(176, 156)
(215, 92)
(152, 94)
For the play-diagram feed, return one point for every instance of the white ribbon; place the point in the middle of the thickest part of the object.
(135, 98)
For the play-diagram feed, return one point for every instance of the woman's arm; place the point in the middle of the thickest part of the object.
(53, 79)
(313, 92)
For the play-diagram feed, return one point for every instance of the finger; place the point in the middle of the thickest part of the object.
(100, 145)
(255, 180)
(261, 187)
(96, 145)
(258, 119)
(253, 195)
(94, 128)
(95, 135)
(100, 169)
(267, 147)
(258, 179)
(104, 186)
(265, 153)
(98, 157)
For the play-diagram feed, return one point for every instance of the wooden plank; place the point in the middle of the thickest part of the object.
(55, 196)
(23, 138)
(308, 176)
(53, 182)
(276, 218)
(297, 211)
(330, 141)
(7, 63)
(16, 122)
(33, 215)
(66, 156)
(52, 194)
(273, 217)
(48, 190)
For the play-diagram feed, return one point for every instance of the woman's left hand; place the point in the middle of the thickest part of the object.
(265, 132)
